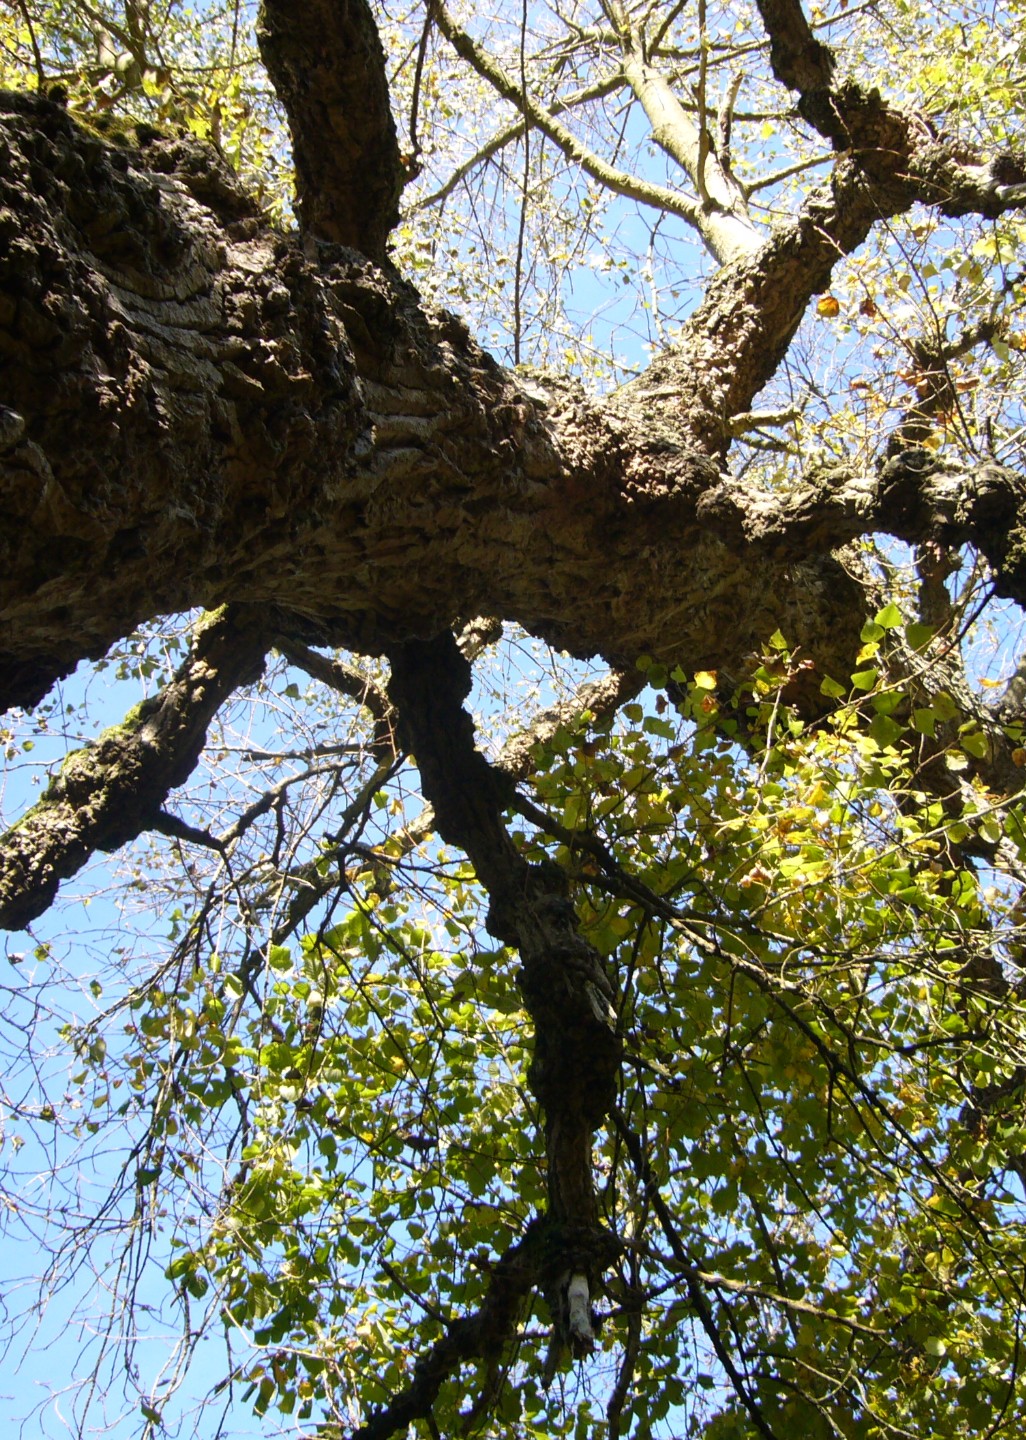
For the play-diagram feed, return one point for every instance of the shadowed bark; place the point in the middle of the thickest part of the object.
(326, 62)
(196, 412)
(566, 990)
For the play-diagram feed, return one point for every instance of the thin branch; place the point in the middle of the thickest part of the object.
(480, 1336)
(625, 1375)
(701, 96)
(349, 681)
(412, 165)
(725, 121)
(599, 90)
(619, 181)
(798, 168)
(700, 1304)
(40, 68)
(326, 63)
(667, 21)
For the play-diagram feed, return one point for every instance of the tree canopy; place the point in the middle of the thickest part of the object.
(538, 948)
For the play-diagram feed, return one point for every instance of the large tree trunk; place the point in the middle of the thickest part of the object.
(197, 409)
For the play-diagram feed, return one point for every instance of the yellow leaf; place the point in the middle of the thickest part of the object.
(828, 305)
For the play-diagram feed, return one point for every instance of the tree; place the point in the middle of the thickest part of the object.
(665, 1073)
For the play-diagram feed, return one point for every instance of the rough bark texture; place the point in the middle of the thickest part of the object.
(195, 411)
(565, 987)
(327, 65)
(563, 982)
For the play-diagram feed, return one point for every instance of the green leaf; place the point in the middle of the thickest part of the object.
(975, 743)
(865, 679)
(945, 707)
(885, 731)
(919, 636)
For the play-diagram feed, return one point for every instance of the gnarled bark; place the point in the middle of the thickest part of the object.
(326, 62)
(196, 411)
(565, 987)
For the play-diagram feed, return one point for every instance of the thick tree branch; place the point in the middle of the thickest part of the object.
(325, 60)
(887, 161)
(899, 152)
(722, 218)
(799, 60)
(563, 982)
(108, 793)
(200, 413)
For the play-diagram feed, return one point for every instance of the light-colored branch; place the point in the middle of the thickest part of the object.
(619, 181)
(701, 96)
(722, 221)
(725, 121)
(761, 419)
(666, 24)
(779, 176)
